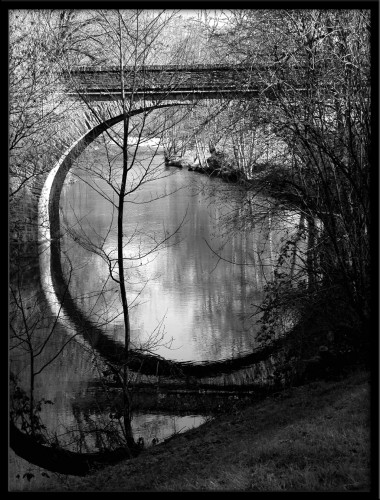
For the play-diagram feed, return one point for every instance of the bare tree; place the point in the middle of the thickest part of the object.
(132, 36)
(312, 71)
(36, 116)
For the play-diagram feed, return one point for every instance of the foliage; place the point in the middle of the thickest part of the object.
(33, 86)
(25, 413)
(315, 68)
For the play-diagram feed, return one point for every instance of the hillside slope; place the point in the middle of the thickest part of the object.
(312, 438)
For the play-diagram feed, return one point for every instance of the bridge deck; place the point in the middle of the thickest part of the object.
(159, 78)
(184, 82)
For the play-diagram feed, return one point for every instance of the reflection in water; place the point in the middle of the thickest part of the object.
(155, 428)
(185, 290)
(87, 428)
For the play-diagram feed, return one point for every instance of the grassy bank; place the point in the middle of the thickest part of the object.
(311, 438)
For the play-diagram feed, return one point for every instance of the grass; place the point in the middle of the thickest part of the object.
(311, 438)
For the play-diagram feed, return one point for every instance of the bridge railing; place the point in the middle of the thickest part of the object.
(158, 67)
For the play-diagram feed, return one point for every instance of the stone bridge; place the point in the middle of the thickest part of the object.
(256, 369)
(159, 87)
(94, 98)
(168, 82)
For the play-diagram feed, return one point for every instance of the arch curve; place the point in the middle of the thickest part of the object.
(63, 305)
(52, 278)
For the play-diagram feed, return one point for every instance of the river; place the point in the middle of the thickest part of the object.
(197, 289)
(194, 275)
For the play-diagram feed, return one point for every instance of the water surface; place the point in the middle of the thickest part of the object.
(190, 298)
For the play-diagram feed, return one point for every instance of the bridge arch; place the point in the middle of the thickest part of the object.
(62, 305)
(52, 277)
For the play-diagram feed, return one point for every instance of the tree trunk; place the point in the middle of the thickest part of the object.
(120, 257)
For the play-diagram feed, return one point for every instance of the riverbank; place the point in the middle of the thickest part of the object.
(314, 437)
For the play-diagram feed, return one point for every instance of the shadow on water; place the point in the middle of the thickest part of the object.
(146, 364)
